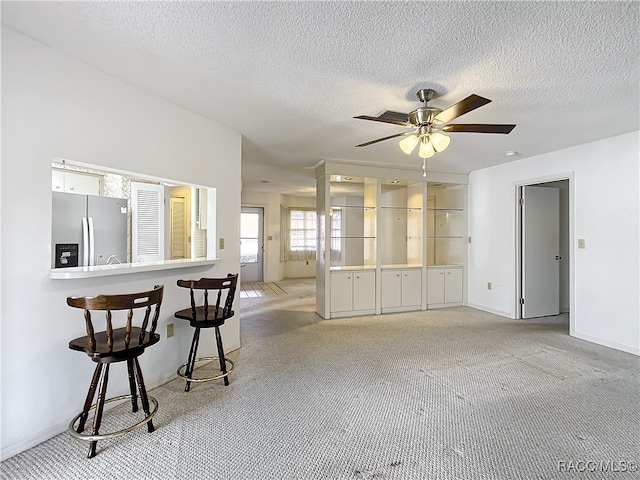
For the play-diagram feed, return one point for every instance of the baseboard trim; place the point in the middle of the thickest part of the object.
(489, 310)
(607, 343)
(33, 440)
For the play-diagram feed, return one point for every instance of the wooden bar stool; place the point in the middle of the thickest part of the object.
(116, 345)
(208, 315)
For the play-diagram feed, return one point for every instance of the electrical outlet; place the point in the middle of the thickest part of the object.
(221, 243)
(169, 330)
(489, 286)
(581, 243)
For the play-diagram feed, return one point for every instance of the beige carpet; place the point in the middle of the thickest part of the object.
(446, 394)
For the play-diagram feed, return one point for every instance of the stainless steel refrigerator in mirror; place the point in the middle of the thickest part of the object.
(88, 230)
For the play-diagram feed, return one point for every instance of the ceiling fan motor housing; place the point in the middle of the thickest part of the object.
(424, 115)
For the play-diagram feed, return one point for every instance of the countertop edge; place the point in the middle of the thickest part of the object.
(127, 268)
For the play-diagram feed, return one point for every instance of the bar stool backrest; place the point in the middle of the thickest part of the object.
(127, 301)
(219, 310)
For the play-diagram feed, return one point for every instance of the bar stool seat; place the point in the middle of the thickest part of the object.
(124, 344)
(208, 315)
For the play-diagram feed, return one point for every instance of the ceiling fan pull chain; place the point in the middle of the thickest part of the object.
(424, 167)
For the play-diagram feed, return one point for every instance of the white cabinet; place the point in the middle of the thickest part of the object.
(411, 288)
(400, 289)
(75, 182)
(342, 292)
(353, 291)
(444, 286)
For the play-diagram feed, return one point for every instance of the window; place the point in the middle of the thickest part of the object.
(299, 233)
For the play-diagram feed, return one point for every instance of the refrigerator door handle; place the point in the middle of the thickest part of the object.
(85, 242)
(91, 243)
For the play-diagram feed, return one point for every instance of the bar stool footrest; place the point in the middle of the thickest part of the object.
(101, 436)
(228, 363)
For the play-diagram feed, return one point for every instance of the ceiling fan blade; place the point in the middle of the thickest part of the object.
(396, 116)
(478, 128)
(385, 120)
(463, 106)
(384, 138)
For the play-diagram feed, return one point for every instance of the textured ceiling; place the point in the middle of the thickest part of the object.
(289, 76)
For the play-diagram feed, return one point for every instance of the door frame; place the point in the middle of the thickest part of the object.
(517, 241)
(262, 249)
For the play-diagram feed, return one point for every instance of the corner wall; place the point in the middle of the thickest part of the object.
(604, 195)
(54, 106)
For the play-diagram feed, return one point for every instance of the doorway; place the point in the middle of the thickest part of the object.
(179, 228)
(544, 286)
(251, 244)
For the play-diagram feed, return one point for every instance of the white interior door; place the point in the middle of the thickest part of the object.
(540, 251)
(251, 243)
(147, 222)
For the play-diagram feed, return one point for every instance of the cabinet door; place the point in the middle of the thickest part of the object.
(453, 285)
(411, 288)
(57, 181)
(364, 290)
(83, 184)
(391, 288)
(435, 285)
(341, 292)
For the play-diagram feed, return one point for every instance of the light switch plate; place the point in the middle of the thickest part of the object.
(221, 243)
(581, 243)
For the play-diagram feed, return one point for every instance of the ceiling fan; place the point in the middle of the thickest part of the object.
(427, 124)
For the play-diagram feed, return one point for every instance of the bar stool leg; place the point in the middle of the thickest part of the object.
(143, 394)
(132, 386)
(90, 395)
(223, 363)
(192, 358)
(97, 419)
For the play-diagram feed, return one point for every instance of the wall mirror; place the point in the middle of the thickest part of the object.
(105, 217)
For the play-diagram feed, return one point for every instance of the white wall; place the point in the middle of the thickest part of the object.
(53, 106)
(604, 305)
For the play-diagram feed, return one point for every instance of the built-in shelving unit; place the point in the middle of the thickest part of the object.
(446, 244)
(380, 237)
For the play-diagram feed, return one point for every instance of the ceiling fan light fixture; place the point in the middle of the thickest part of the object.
(409, 143)
(426, 149)
(439, 141)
